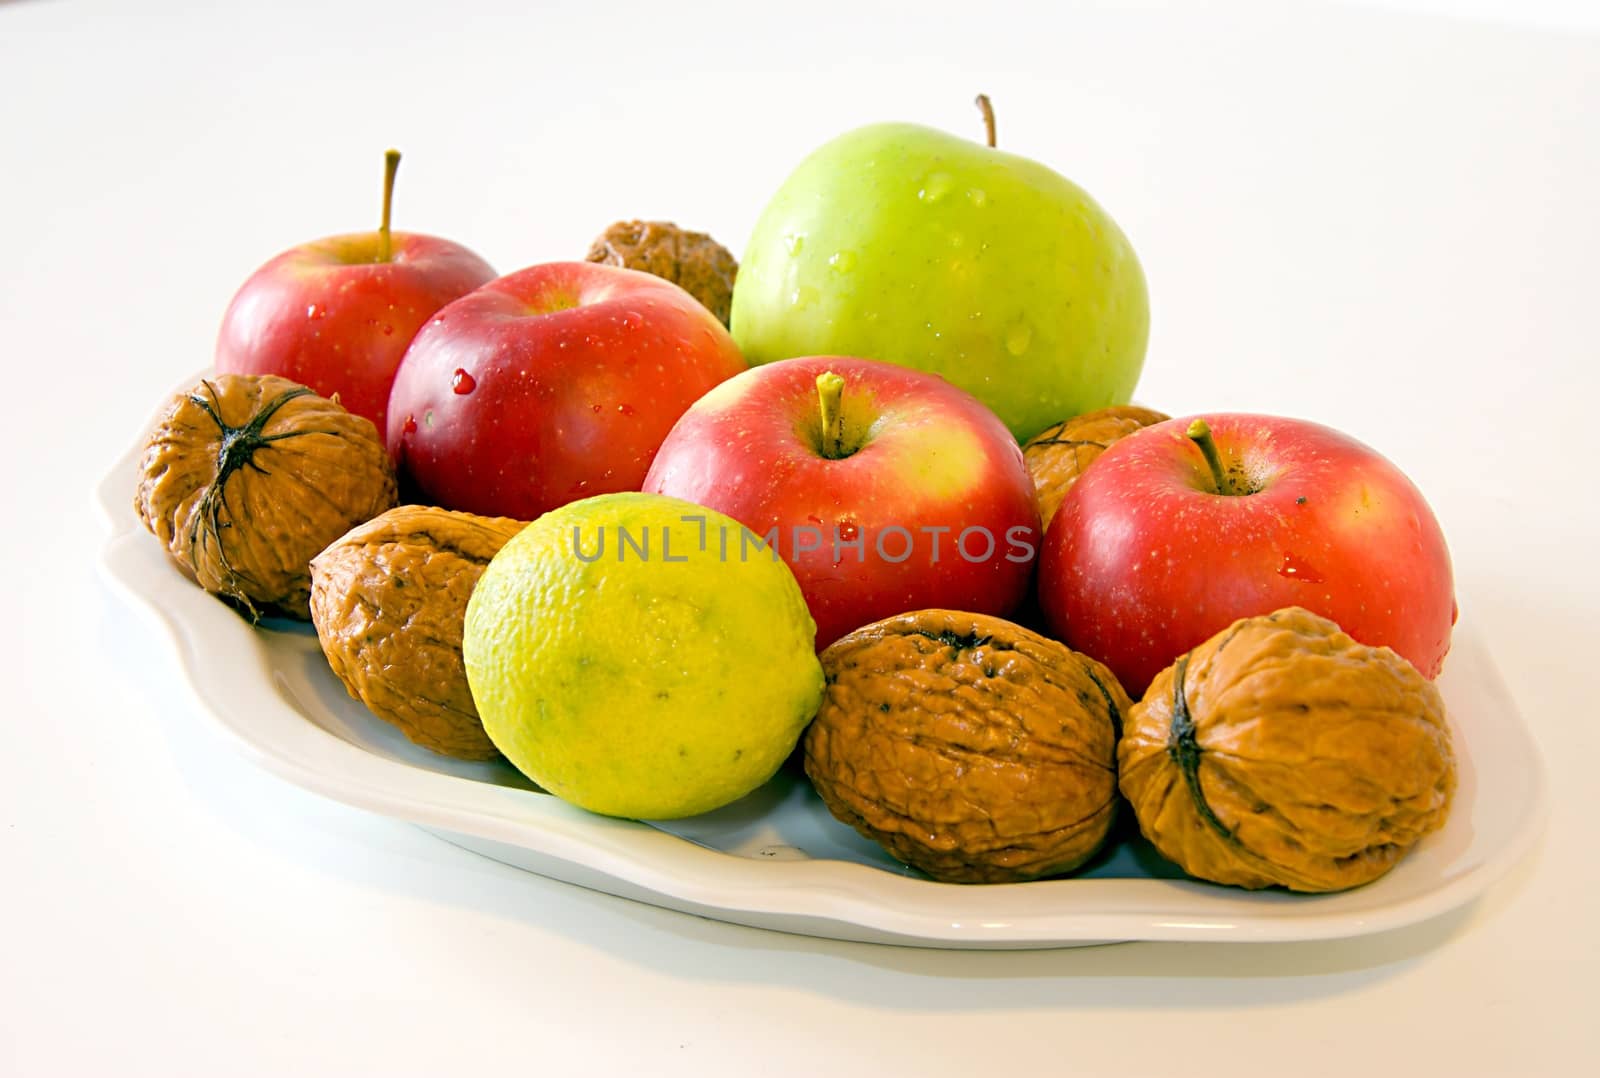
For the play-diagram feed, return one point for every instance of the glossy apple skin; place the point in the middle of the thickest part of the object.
(1144, 561)
(329, 315)
(906, 244)
(570, 376)
(935, 458)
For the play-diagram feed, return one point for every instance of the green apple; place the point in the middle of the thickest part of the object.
(902, 243)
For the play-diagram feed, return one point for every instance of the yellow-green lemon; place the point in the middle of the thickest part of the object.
(641, 656)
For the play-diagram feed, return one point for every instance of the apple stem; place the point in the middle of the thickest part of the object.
(1199, 433)
(987, 108)
(830, 394)
(391, 165)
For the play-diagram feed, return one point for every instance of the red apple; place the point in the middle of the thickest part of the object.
(885, 489)
(1181, 528)
(336, 314)
(551, 384)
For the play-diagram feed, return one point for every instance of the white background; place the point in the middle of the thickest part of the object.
(1386, 221)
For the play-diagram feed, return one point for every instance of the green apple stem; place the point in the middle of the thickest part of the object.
(987, 108)
(391, 165)
(830, 394)
(1199, 432)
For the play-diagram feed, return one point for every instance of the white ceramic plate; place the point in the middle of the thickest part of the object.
(777, 859)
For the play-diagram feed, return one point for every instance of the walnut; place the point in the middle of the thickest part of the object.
(246, 477)
(1058, 454)
(1281, 752)
(693, 261)
(389, 600)
(969, 747)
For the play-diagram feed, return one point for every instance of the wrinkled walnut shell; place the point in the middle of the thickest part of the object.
(1281, 752)
(969, 747)
(247, 477)
(1057, 455)
(389, 600)
(693, 261)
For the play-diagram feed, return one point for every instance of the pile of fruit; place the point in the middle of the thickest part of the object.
(645, 523)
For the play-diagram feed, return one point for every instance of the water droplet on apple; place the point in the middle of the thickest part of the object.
(977, 197)
(595, 408)
(802, 297)
(1018, 337)
(935, 185)
(1295, 567)
(793, 242)
(842, 261)
(314, 311)
(625, 409)
(410, 425)
(388, 330)
(462, 382)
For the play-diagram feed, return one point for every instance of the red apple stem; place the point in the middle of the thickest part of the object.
(1199, 433)
(391, 165)
(987, 108)
(830, 395)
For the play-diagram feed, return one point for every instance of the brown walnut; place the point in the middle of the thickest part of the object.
(1281, 752)
(246, 477)
(389, 599)
(968, 747)
(693, 261)
(1058, 454)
